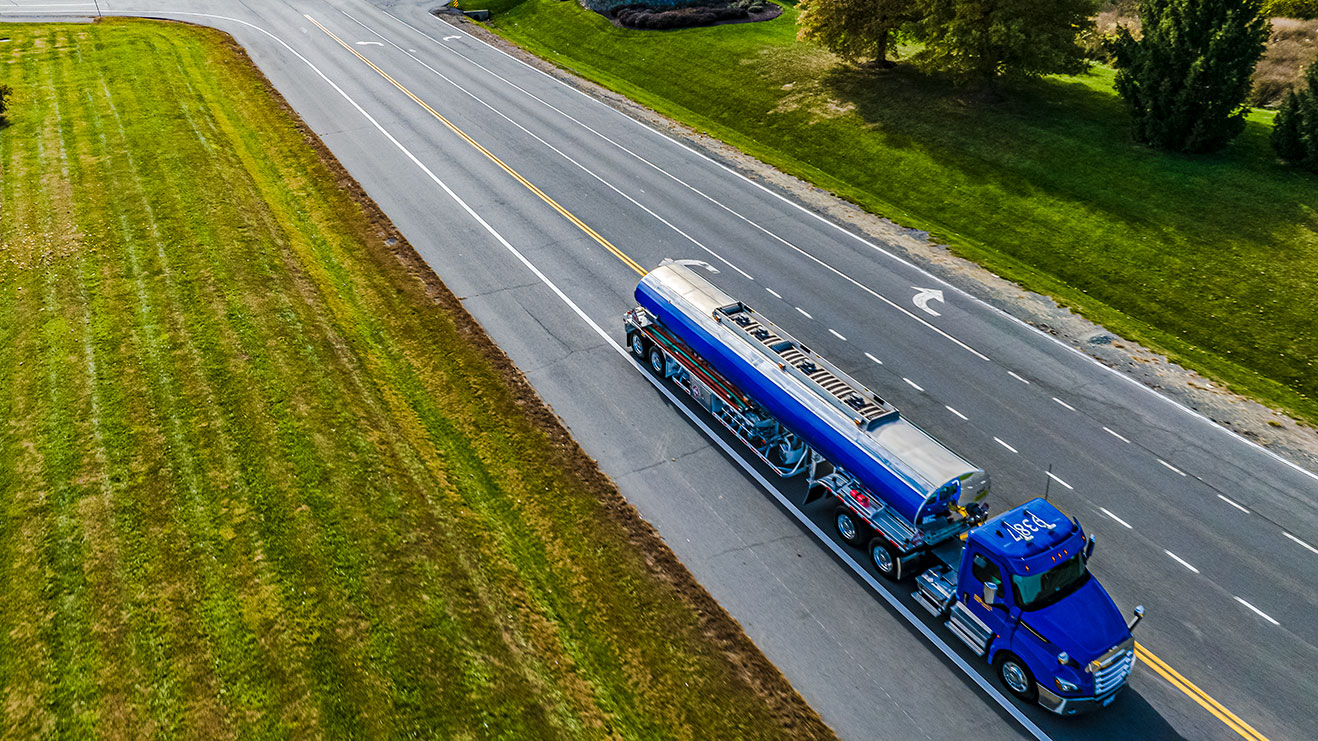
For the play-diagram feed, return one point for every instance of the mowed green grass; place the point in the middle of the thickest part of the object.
(1213, 260)
(259, 475)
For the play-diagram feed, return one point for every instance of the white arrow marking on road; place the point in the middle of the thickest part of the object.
(450, 38)
(926, 295)
(689, 263)
(369, 43)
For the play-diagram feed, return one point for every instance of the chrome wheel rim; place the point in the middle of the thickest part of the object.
(638, 347)
(882, 558)
(657, 361)
(1014, 675)
(846, 527)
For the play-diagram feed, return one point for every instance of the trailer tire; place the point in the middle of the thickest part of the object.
(1016, 676)
(637, 344)
(657, 362)
(885, 559)
(850, 528)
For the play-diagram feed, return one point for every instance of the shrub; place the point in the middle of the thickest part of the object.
(1295, 130)
(5, 92)
(1291, 8)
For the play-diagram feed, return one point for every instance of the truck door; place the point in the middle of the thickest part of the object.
(996, 616)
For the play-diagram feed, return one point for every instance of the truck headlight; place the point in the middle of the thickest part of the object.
(1064, 685)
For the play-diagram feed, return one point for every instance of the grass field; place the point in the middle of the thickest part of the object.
(259, 473)
(1210, 259)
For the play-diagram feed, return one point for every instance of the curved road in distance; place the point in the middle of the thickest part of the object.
(537, 204)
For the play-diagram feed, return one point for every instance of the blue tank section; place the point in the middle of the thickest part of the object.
(832, 433)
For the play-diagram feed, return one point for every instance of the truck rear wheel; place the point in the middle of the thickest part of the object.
(850, 528)
(885, 559)
(1016, 676)
(657, 362)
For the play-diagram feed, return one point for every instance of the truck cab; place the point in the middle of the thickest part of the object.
(1024, 599)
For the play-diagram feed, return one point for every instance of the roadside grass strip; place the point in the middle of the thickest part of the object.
(260, 475)
(1209, 259)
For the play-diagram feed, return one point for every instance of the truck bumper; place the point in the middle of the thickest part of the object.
(1075, 705)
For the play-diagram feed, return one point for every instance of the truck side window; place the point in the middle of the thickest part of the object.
(985, 570)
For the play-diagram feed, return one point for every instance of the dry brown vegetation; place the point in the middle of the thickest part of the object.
(1292, 47)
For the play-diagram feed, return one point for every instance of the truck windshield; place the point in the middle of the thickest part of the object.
(1040, 590)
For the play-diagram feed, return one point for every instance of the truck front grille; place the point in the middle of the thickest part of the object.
(1111, 676)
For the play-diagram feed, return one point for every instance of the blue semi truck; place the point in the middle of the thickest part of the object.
(1014, 588)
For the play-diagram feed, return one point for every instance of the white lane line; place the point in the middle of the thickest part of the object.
(368, 43)
(1059, 401)
(1301, 542)
(1170, 467)
(1053, 476)
(1105, 511)
(555, 150)
(914, 385)
(835, 334)
(1181, 561)
(804, 313)
(1257, 611)
(824, 220)
(959, 414)
(1005, 445)
(871, 357)
(1233, 504)
(774, 293)
(1113, 434)
(1018, 378)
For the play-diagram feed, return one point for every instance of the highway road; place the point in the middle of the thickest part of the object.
(538, 205)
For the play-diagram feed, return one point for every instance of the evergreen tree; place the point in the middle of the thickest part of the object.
(1186, 81)
(1295, 130)
(1286, 141)
(987, 39)
(854, 29)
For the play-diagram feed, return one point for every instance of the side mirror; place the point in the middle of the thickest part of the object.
(990, 594)
(1139, 615)
(1089, 547)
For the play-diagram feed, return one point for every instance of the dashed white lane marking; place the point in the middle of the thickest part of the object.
(959, 414)
(914, 385)
(1170, 467)
(1105, 511)
(1054, 477)
(1301, 542)
(1257, 611)
(835, 334)
(774, 293)
(804, 313)
(1181, 561)
(1005, 445)
(1237, 505)
(871, 357)
(451, 38)
(1018, 378)
(1113, 434)
(1059, 401)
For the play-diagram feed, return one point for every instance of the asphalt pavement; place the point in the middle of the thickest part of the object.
(536, 204)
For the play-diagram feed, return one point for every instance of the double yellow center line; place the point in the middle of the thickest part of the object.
(583, 226)
(1231, 720)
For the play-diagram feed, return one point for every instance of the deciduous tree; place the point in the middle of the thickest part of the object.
(1186, 79)
(854, 29)
(987, 39)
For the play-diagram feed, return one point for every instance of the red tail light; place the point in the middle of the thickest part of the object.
(861, 499)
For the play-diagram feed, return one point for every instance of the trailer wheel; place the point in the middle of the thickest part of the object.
(885, 560)
(657, 360)
(637, 344)
(850, 528)
(1016, 676)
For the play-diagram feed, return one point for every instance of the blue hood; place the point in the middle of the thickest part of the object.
(1085, 624)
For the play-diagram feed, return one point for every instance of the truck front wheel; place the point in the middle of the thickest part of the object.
(638, 345)
(1016, 676)
(885, 559)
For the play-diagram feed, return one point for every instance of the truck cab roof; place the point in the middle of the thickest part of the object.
(1030, 538)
